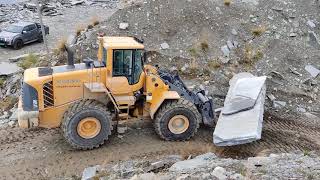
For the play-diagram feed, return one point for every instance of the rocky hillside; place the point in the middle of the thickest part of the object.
(211, 40)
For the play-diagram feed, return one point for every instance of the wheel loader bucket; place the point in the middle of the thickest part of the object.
(241, 118)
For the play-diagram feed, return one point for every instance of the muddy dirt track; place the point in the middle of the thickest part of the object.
(43, 154)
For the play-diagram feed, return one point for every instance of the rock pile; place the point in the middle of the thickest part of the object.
(209, 166)
(277, 39)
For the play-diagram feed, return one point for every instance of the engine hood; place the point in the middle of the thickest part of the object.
(6, 34)
(31, 77)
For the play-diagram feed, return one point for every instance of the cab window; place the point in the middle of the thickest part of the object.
(104, 56)
(128, 63)
(137, 65)
(122, 63)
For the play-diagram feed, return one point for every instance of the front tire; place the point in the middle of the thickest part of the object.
(177, 120)
(86, 124)
(17, 44)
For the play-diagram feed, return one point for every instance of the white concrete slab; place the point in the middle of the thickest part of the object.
(245, 125)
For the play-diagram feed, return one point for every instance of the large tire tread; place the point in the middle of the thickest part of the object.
(172, 104)
(77, 107)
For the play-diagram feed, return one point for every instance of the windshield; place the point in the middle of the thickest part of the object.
(14, 29)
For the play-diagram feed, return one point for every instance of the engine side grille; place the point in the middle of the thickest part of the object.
(48, 95)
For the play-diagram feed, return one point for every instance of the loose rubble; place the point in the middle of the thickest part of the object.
(209, 166)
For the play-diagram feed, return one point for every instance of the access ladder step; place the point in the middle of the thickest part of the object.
(123, 115)
(123, 107)
(96, 87)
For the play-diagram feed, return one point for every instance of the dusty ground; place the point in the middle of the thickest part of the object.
(43, 154)
(61, 27)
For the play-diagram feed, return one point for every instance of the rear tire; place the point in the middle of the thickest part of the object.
(86, 124)
(17, 44)
(177, 111)
(40, 38)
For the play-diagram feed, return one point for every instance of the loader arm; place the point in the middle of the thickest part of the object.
(199, 98)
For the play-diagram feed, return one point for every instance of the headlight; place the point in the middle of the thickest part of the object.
(7, 39)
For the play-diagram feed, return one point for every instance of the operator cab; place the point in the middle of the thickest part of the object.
(123, 58)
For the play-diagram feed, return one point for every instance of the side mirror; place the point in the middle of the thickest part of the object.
(23, 32)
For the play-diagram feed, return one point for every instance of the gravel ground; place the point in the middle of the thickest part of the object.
(44, 154)
(60, 28)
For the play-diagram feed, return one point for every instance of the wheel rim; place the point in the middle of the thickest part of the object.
(89, 127)
(19, 44)
(178, 124)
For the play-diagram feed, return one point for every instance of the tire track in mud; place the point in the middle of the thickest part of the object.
(279, 135)
(13, 135)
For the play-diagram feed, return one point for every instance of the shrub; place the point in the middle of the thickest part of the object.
(8, 102)
(2, 81)
(193, 52)
(258, 31)
(204, 46)
(214, 64)
(60, 47)
(227, 2)
(95, 21)
(28, 61)
(90, 26)
(250, 56)
(79, 29)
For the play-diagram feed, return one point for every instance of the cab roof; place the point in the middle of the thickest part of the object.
(112, 42)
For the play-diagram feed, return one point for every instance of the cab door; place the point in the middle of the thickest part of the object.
(127, 72)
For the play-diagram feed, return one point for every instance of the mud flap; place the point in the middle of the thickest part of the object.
(240, 120)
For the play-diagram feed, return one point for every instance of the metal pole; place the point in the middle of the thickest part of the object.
(42, 27)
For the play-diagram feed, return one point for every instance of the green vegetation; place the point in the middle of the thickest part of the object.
(95, 21)
(258, 31)
(250, 56)
(29, 61)
(193, 52)
(79, 29)
(2, 81)
(204, 46)
(306, 152)
(227, 2)
(8, 102)
(214, 64)
(90, 26)
(60, 48)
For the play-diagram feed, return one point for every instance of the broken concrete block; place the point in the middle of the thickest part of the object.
(197, 162)
(8, 69)
(164, 45)
(230, 45)
(90, 172)
(225, 50)
(234, 32)
(76, 2)
(21, 57)
(244, 126)
(312, 70)
(220, 173)
(314, 39)
(122, 129)
(123, 26)
(279, 104)
(311, 24)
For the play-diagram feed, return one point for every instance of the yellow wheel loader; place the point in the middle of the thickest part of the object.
(87, 100)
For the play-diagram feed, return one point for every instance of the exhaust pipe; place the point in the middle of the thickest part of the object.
(70, 57)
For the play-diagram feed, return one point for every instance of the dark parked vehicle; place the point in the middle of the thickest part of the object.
(21, 33)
